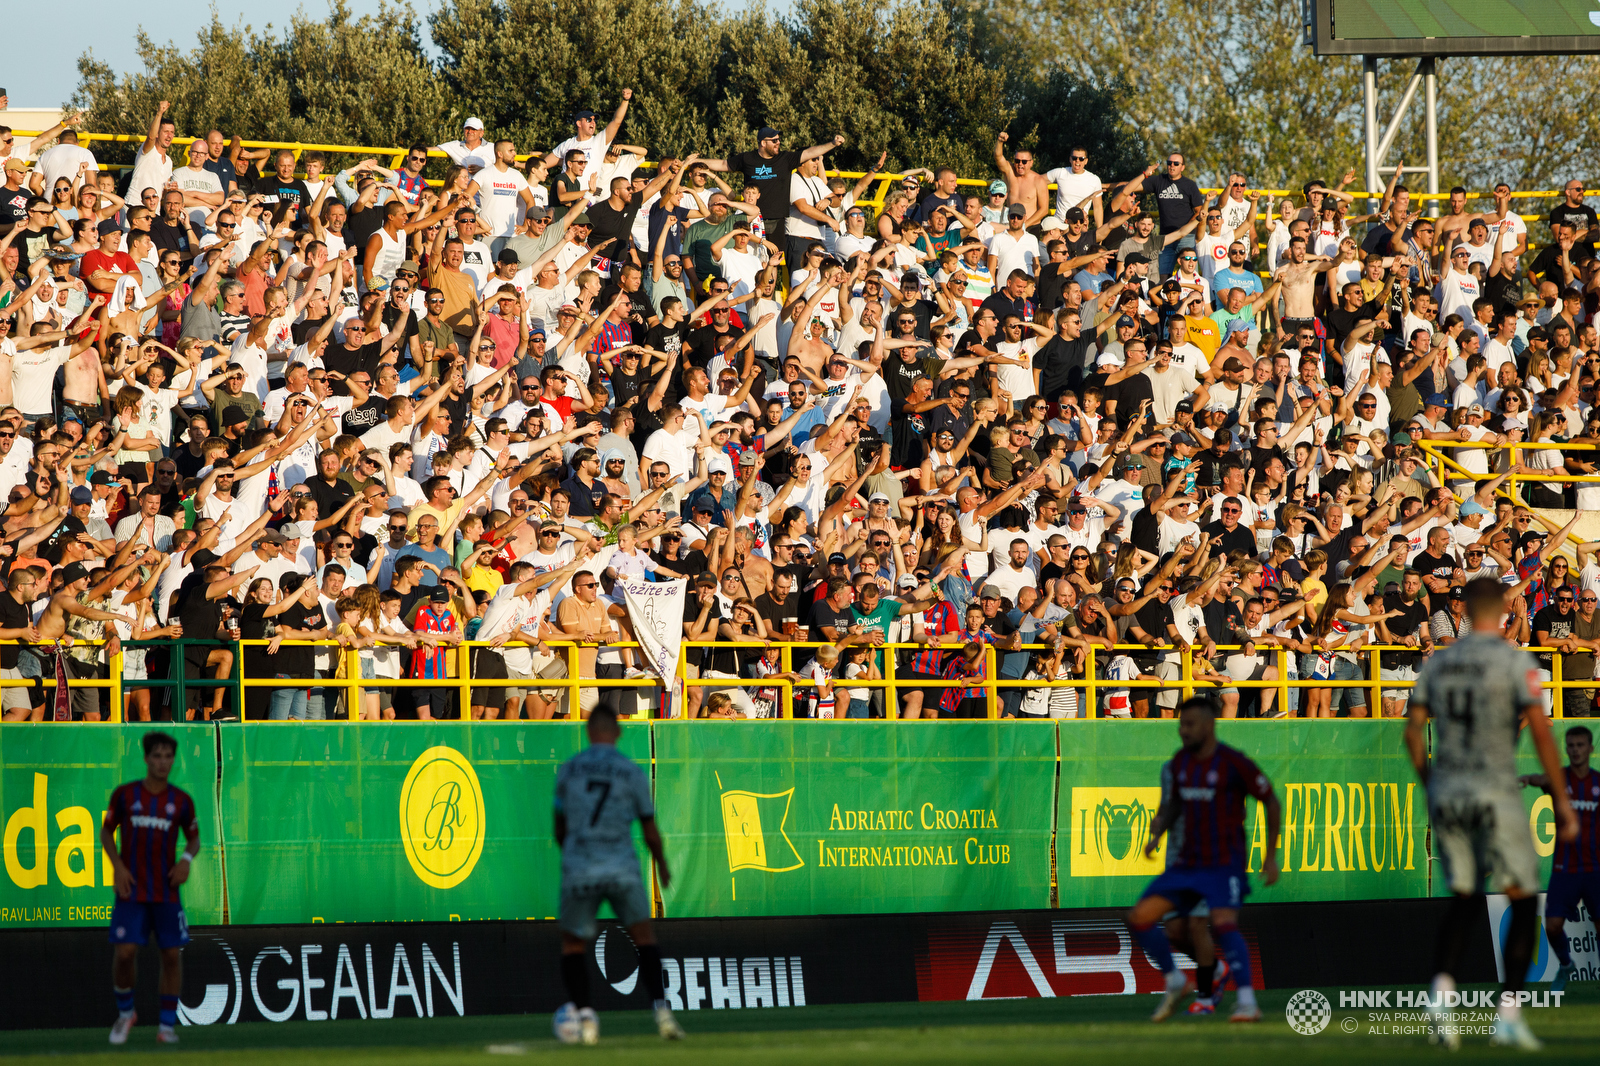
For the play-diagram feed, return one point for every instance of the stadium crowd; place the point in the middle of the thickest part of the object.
(250, 396)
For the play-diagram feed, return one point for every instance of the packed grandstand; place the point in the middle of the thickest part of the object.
(903, 445)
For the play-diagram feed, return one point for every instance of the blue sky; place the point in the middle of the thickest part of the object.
(45, 72)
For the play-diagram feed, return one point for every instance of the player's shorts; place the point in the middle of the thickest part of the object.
(1217, 886)
(580, 904)
(1566, 889)
(1484, 836)
(132, 922)
(1192, 907)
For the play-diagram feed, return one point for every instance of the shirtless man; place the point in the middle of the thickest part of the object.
(1023, 186)
(1298, 277)
(86, 393)
(52, 626)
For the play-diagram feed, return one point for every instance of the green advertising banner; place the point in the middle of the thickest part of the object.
(55, 781)
(855, 817)
(395, 822)
(1354, 815)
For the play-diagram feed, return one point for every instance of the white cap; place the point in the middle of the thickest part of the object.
(473, 123)
(1108, 359)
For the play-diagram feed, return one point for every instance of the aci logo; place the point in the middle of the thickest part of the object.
(753, 823)
(442, 817)
(1109, 830)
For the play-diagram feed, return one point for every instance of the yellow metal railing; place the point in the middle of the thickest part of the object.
(1089, 686)
(1448, 468)
(396, 156)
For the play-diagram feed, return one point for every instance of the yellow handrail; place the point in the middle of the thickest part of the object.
(1089, 685)
(397, 155)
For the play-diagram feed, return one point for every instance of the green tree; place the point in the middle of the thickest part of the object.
(524, 66)
(342, 80)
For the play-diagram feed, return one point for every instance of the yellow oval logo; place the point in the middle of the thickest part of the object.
(442, 817)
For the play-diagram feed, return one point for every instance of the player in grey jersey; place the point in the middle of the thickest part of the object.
(1480, 691)
(599, 792)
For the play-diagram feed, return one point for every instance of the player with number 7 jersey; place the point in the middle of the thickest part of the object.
(599, 794)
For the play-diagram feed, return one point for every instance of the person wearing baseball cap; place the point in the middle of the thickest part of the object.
(471, 151)
(586, 138)
(768, 169)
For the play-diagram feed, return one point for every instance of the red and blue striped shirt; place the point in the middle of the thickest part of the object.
(432, 664)
(149, 824)
(1210, 793)
(937, 621)
(1581, 856)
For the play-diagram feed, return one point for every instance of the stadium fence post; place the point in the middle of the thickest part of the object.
(236, 675)
(1186, 675)
(352, 673)
(177, 670)
(115, 674)
(1375, 699)
(464, 679)
(574, 695)
(786, 665)
(989, 666)
(1558, 693)
(1091, 706)
(1283, 681)
(891, 703)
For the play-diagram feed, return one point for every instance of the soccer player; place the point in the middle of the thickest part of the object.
(599, 792)
(1208, 785)
(1575, 869)
(147, 872)
(1480, 691)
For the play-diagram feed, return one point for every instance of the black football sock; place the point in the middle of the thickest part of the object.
(650, 971)
(1520, 942)
(1203, 977)
(1452, 943)
(575, 974)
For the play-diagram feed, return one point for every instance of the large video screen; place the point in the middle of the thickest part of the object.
(1456, 27)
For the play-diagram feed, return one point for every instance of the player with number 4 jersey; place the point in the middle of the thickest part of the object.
(599, 794)
(1479, 693)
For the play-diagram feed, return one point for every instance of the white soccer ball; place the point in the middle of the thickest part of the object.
(565, 1024)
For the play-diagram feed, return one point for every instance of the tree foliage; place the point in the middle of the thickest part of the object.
(914, 78)
(1230, 84)
(340, 80)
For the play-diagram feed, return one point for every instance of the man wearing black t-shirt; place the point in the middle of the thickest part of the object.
(1064, 359)
(281, 188)
(16, 623)
(1228, 534)
(769, 169)
(1176, 198)
(1411, 621)
(1577, 214)
(1352, 309)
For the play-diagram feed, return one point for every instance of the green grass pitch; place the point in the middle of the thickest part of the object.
(1081, 1030)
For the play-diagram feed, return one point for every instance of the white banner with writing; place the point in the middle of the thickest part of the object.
(656, 610)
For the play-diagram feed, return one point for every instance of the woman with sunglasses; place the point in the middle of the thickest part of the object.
(170, 270)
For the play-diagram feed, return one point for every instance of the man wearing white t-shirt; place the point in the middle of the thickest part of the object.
(1015, 248)
(1457, 290)
(586, 140)
(201, 188)
(808, 191)
(1075, 184)
(471, 151)
(502, 188)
